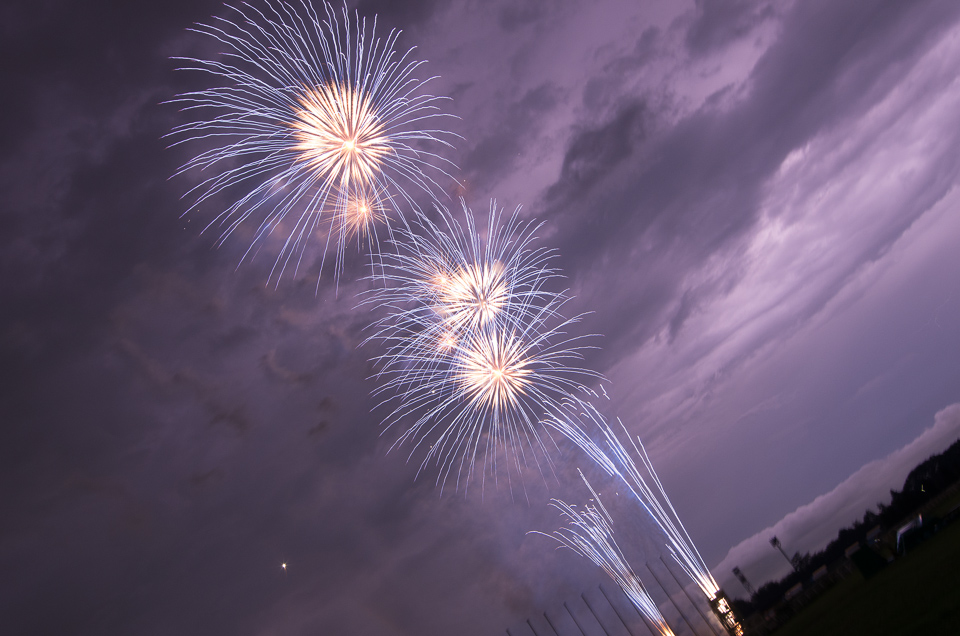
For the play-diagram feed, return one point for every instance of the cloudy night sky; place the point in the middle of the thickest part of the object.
(757, 202)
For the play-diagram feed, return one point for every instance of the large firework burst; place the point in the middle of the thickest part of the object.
(476, 347)
(315, 129)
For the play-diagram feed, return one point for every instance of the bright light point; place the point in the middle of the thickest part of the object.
(363, 210)
(447, 342)
(284, 566)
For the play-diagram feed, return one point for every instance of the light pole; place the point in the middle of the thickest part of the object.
(743, 581)
(775, 542)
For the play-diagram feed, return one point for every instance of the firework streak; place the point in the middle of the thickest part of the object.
(314, 129)
(477, 362)
(618, 462)
(589, 533)
(317, 129)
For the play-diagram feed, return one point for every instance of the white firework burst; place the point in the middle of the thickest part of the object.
(476, 347)
(308, 114)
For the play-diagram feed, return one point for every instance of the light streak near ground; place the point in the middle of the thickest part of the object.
(307, 114)
(476, 361)
(589, 533)
(618, 462)
(476, 345)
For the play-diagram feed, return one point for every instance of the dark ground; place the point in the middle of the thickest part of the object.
(918, 594)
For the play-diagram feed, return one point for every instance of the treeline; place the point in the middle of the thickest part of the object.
(926, 481)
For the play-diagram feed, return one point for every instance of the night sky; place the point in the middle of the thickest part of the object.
(756, 201)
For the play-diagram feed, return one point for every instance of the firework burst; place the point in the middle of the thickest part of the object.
(364, 209)
(589, 533)
(315, 128)
(476, 346)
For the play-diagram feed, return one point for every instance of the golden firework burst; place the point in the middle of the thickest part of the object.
(471, 296)
(493, 370)
(363, 208)
(339, 135)
(446, 342)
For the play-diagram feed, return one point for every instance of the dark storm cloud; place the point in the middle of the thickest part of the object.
(496, 153)
(78, 212)
(174, 429)
(517, 15)
(399, 15)
(594, 153)
(93, 52)
(71, 246)
(693, 188)
(607, 87)
(197, 467)
(719, 22)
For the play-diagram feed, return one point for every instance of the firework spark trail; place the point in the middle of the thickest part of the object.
(619, 463)
(589, 533)
(316, 121)
(472, 355)
(312, 120)
(476, 349)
